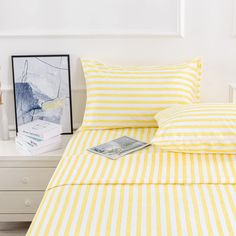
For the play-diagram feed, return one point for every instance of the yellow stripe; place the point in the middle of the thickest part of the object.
(139, 212)
(167, 211)
(101, 212)
(196, 120)
(82, 210)
(230, 199)
(37, 219)
(158, 211)
(177, 210)
(99, 95)
(197, 145)
(199, 134)
(90, 101)
(121, 121)
(63, 212)
(167, 89)
(57, 201)
(192, 168)
(129, 213)
(124, 108)
(168, 166)
(117, 114)
(142, 72)
(144, 76)
(216, 167)
(206, 211)
(94, 201)
(209, 126)
(205, 150)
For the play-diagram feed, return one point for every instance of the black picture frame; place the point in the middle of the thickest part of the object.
(67, 57)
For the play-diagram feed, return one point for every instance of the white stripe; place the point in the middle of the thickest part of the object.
(106, 212)
(125, 210)
(78, 209)
(163, 210)
(134, 211)
(144, 210)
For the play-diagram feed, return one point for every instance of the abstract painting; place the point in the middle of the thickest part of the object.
(42, 89)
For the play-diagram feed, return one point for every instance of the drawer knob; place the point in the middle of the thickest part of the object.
(27, 203)
(25, 180)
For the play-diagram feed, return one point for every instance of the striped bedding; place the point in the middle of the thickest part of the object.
(197, 128)
(149, 192)
(120, 97)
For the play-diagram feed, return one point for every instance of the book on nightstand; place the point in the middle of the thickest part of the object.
(40, 129)
(39, 136)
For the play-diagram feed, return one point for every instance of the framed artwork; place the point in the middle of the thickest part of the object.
(42, 89)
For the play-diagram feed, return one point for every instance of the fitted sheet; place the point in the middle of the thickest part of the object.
(144, 193)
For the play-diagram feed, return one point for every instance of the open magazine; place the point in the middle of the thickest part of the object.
(118, 147)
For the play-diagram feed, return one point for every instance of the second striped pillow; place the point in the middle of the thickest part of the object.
(197, 128)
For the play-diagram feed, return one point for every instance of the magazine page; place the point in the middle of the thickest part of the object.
(118, 147)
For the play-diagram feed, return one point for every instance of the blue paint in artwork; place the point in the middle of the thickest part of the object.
(28, 101)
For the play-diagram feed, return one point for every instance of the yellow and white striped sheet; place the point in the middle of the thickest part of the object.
(148, 210)
(149, 165)
(149, 192)
(130, 96)
(197, 128)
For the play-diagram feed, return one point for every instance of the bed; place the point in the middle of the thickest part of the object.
(149, 192)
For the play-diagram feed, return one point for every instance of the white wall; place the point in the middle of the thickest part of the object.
(208, 33)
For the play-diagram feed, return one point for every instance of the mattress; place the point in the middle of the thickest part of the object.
(149, 192)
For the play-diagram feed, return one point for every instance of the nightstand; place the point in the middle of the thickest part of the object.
(23, 179)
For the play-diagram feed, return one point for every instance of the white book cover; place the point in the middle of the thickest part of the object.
(35, 151)
(40, 129)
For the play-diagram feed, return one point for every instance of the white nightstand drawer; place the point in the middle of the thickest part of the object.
(26, 202)
(25, 178)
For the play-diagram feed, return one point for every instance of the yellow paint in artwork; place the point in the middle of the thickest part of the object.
(55, 104)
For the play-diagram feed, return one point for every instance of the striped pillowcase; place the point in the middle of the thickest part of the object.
(197, 128)
(130, 96)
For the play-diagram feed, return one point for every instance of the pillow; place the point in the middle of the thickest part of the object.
(197, 128)
(119, 97)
